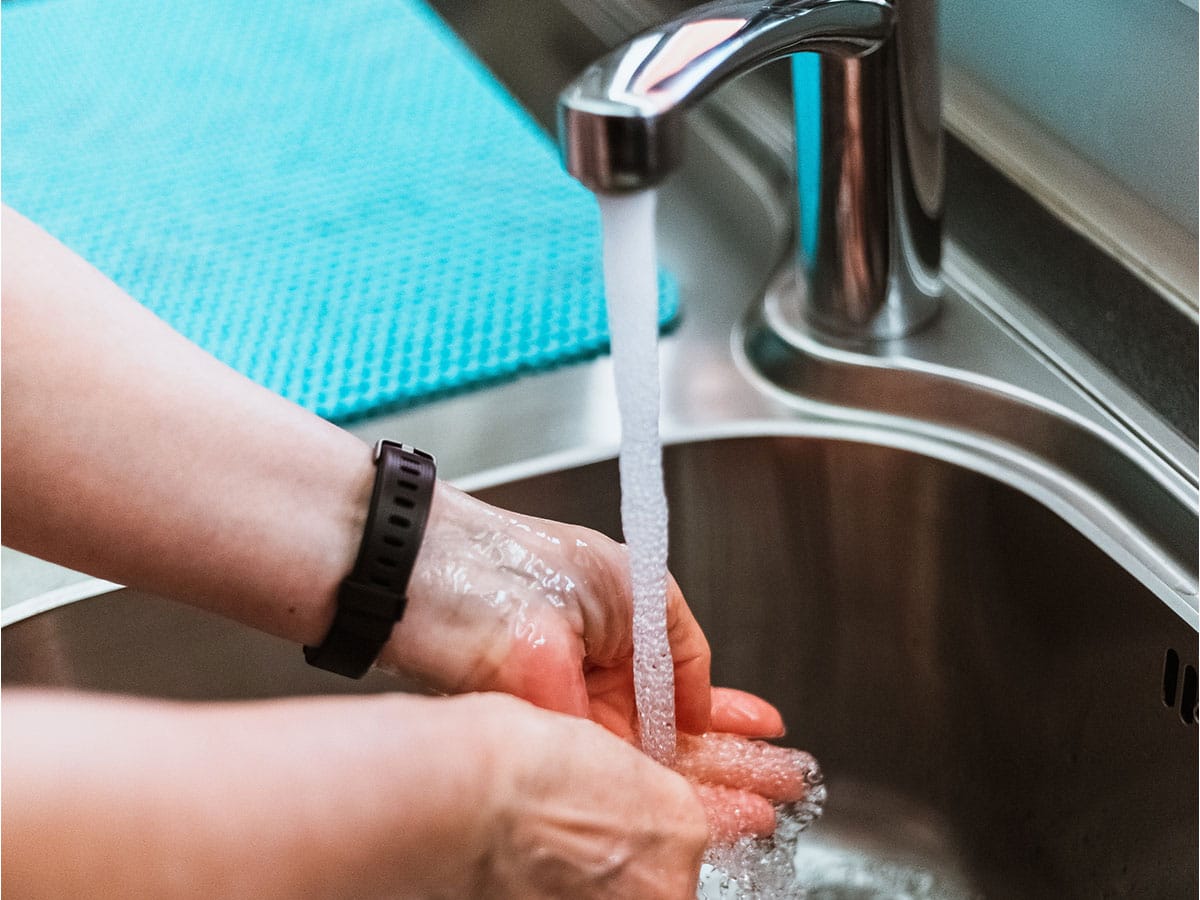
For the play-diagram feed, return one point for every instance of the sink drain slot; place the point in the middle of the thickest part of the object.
(1179, 683)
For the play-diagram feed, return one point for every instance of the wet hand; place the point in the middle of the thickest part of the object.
(738, 777)
(541, 610)
(582, 813)
(538, 609)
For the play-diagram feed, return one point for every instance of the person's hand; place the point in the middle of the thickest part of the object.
(585, 814)
(740, 781)
(542, 610)
(338, 797)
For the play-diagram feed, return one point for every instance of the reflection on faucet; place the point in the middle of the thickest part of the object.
(870, 268)
(677, 52)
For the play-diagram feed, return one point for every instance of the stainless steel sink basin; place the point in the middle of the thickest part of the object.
(983, 686)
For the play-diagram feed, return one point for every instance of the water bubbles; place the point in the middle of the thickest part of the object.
(824, 865)
(834, 872)
(757, 869)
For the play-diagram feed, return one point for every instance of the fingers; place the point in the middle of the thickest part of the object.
(733, 814)
(776, 773)
(739, 712)
(689, 650)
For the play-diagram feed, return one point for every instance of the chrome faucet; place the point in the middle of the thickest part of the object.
(868, 256)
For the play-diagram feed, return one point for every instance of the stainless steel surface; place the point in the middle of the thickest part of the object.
(868, 266)
(981, 683)
(955, 560)
(1090, 199)
(951, 375)
(621, 120)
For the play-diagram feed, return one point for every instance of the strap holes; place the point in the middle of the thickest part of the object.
(411, 470)
(386, 561)
(405, 502)
(400, 521)
(392, 541)
(407, 485)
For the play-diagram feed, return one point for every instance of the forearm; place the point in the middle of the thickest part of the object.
(131, 454)
(330, 798)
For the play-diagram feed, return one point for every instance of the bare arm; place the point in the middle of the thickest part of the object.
(131, 454)
(390, 796)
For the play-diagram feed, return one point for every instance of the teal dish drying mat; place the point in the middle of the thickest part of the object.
(336, 199)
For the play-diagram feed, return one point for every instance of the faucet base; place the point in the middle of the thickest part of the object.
(792, 312)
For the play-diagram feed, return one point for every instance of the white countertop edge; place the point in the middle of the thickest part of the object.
(80, 590)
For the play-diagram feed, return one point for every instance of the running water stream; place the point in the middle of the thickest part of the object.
(749, 868)
(631, 285)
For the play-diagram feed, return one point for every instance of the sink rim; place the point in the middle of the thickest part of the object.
(1025, 473)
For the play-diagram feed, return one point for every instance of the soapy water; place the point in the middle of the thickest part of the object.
(786, 867)
(631, 287)
(826, 873)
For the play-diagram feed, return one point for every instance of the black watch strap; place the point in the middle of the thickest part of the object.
(372, 597)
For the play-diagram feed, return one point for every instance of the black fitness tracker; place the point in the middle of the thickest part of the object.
(372, 597)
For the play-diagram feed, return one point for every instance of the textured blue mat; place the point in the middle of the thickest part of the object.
(335, 199)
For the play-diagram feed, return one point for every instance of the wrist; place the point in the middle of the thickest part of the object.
(338, 501)
(373, 596)
(415, 645)
(286, 533)
(402, 790)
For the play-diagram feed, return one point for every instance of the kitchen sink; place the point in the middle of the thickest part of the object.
(983, 687)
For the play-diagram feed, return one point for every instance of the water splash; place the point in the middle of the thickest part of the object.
(757, 869)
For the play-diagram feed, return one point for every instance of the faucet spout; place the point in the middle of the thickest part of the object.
(620, 122)
(867, 263)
